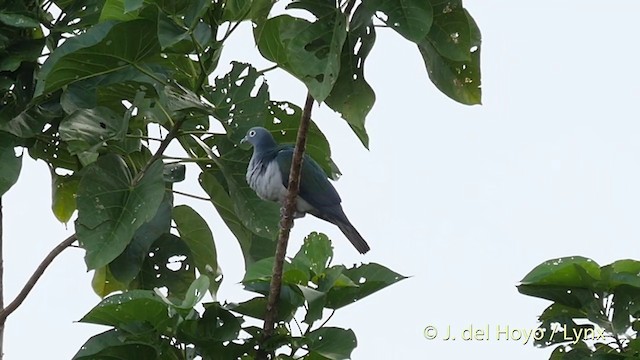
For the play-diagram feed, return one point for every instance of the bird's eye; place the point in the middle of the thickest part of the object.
(252, 133)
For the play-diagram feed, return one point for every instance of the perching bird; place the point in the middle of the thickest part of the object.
(268, 176)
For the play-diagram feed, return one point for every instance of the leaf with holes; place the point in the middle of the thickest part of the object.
(331, 343)
(110, 209)
(89, 129)
(410, 18)
(315, 254)
(136, 311)
(368, 278)
(309, 51)
(169, 264)
(240, 99)
(450, 33)
(459, 80)
(352, 96)
(195, 232)
(126, 267)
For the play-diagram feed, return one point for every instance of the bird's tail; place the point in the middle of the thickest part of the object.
(336, 215)
(353, 235)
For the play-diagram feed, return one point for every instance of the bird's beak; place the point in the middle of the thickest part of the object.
(245, 144)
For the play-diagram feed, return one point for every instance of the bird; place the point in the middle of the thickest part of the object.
(268, 175)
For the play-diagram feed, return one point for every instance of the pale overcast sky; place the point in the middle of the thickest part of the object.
(465, 200)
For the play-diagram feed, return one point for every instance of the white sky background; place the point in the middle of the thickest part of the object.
(466, 200)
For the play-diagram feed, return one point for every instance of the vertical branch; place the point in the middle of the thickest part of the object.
(286, 222)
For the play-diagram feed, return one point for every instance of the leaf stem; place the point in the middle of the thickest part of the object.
(191, 195)
(286, 222)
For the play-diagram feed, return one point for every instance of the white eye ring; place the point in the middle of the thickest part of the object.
(252, 133)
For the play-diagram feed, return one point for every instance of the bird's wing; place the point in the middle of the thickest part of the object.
(315, 187)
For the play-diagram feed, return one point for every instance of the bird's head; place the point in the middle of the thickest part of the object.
(259, 138)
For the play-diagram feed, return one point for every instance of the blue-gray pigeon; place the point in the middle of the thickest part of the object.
(268, 176)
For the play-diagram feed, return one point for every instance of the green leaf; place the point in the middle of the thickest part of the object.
(309, 51)
(114, 344)
(126, 267)
(196, 292)
(23, 51)
(352, 96)
(260, 270)
(315, 303)
(315, 254)
(568, 271)
(254, 247)
(195, 232)
(104, 283)
(622, 272)
(451, 33)
(63, 193)
(122, 10)
(169, 264)
(216, 325)
(33, 119)
(89, 129)
(9, 162)
(173, 173)
(410, 18)
(332, 343)
(289, 302)
(104, 49)
(459, 80)
(18, 20)
(110, 209)
(133, 311)
(369, 279)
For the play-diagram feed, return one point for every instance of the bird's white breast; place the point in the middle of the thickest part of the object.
(267, 183)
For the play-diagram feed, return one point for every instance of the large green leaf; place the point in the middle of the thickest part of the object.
(308, 50)
(410, 18)
(33, 118)
(111, 209)
(451, 34)
(368, 278)
(254, 247)
(315, 254)
(134, 311)
(126, 267)
(106, 48)
(114, 344)
(459, 80)
(332, 343)
(89, 129)
(352, 96)
(195, 232)
(169, 264)
(9, 162)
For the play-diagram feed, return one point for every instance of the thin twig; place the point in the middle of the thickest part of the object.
(286, 222)
(35, 277)
(191, 195)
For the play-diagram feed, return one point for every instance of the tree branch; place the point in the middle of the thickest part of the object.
(163, 146)
(35, 277)
(286, 222)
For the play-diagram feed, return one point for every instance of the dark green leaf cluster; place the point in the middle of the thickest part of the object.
(595, 312)
(146, 324)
